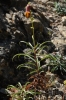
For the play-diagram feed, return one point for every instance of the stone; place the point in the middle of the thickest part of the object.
(50, 3)
(62, 49)
(42, 1)
(50, 76)
(13, 17)
(1, 50)
(19, 3)
(57, 97)
(8, 16)
(37, 25)
(58, 41)
(50, 17)
(64, 20)
(19, 35)
(62, 30)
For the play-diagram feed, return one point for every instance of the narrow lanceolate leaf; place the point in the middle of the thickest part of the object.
(48, 56)
(21, 54)
(29, 64)
(30, 92)
(64, 69)
(29, 52)
(24, 66)
(27, 43)
(11, 86)
(39, 50)
(44, 43)
(19, 84)
(36, 46)
(32, 72)
(40, 68)
(55, 68)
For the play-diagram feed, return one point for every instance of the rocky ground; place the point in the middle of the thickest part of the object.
(14, 27)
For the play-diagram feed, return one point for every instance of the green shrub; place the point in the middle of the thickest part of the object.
(34, 57)
(60, 9)
(56, 62)
(19, 92)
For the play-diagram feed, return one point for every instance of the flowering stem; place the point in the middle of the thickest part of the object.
(33, 36)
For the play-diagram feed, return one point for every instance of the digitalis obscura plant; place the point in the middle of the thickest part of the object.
(34, 57)
(19, 92)
(34, 54)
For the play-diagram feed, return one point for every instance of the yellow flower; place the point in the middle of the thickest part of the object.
(64, 82)
(27, 14)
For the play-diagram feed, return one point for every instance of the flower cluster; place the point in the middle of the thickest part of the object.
(28, 12)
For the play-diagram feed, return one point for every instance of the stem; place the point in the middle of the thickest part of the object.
(33, 38)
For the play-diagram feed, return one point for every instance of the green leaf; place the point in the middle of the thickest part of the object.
(48, 56)
(19, 84)
(55, 68)
(41, 68)
(21, 65)
(39, 50)
(10, 86)
(44, 43)
(27, 43)
(27, 64)
(22, 54)
(29, 52)
(32, 72)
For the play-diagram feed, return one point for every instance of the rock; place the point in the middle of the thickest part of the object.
(62, 30)
(58, 97)
(19, 3)
(62, 49)
(49, 97)
(58, 41)
(42, 1)
(19, 35)
(50, 76)
(49, 31)
(50, 17)
(3, 66)
(8, 16)
(50, 3)
(64, 20)
(2, 90)
(5, 2)
(1, 50)
(38, 27)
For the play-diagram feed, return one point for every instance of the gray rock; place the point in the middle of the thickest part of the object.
(8, 16)
(62, 30)
(50, 3)
(62, 49)
(57, 97)
(19, 3)
(19, 35)
(64, 20)
(37, 25)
